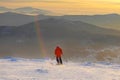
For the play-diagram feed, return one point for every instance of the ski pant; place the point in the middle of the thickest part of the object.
(59, 60)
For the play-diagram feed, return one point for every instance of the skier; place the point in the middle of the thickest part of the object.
(58, 53)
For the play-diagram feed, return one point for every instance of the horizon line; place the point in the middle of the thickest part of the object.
(61, 15)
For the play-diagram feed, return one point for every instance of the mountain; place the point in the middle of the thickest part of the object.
(80, 41)
(32, 11)
(14, 19)
(106, 21)
(25, 10)
(4, 9)
(17, 19)
(110, 21)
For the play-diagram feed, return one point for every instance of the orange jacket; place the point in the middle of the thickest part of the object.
(58, 52)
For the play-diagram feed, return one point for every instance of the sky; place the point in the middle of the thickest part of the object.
(63, 7)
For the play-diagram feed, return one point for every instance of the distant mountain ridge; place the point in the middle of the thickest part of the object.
(25, 10)
(14, 19)
(4, 9)
(106, 21)
(30, 10)
(110, 21)
(17, 19)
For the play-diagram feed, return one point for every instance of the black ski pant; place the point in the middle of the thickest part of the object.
(59, 60)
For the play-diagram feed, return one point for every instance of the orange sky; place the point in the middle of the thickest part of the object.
(62, 7)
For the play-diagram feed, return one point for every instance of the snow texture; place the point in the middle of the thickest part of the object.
(46, 69)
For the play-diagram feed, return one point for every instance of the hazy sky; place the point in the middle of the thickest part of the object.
(68, 6)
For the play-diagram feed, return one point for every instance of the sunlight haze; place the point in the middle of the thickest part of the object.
(71, 7)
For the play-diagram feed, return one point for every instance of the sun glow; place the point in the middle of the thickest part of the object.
(62, 7)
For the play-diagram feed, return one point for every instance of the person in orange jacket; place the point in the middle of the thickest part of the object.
(58, 53)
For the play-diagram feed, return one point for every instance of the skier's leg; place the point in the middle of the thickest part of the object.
(57, 59)
(60, 60)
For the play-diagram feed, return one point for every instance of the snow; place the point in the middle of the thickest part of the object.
(46, 69)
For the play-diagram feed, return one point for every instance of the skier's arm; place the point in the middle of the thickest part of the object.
(61, 52)
(55, 52)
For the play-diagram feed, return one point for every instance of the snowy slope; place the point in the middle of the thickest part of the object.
(46, 69)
